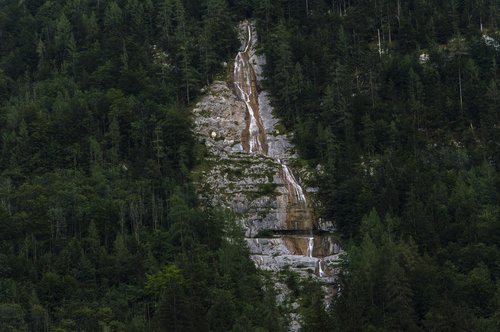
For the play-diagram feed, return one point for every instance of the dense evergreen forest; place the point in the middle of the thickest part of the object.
(396, 103)
(99, 225)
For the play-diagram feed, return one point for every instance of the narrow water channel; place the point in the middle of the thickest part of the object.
(299, 236)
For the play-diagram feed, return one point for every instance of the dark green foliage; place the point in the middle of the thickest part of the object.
(99, 224)
(411, 137)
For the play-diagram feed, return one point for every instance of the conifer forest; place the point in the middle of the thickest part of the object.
(391, 108)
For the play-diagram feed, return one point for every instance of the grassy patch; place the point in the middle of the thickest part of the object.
(279, 129)
(205, 114)
(268, 189)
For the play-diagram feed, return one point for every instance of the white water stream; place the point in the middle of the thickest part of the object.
(293, 183)
(321, 272)
(244, 81)
(254, 140)
(310, 247)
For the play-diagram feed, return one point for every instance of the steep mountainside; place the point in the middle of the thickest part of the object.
(248, 171)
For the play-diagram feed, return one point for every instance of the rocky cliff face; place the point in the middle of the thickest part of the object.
(249, 172)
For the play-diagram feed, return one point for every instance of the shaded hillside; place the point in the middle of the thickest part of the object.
(99, 225)
(398, 103)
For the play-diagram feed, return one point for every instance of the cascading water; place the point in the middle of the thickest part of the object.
(245, 82)
(295, 221)
(292, 183)
(259, 185)
(299, 215)
(310, 247)
(321, 272)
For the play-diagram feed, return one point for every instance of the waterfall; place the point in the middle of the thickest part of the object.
(299, 216)
(253, 129)
(310, 247)
(294, 213)
(250, 172)
(293, 183)
(321, 272)
(245, 81)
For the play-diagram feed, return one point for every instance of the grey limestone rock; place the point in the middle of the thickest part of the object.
(258, 187)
